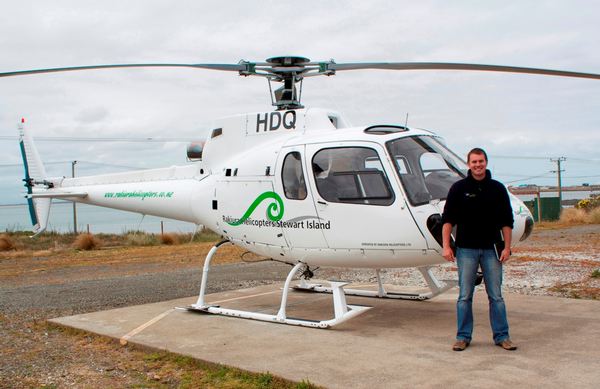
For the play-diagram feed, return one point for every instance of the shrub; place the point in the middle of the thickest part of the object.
(143, 239)
(206, 235)
(169, 239)
(6, 243)
(573, 215)
(88, 242)
(591, 203)
(583, 204)
(594, 216)
(596, 273)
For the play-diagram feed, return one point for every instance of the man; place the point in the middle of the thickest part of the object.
(480, 208)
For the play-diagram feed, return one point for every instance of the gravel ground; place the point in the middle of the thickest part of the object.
(34, 354)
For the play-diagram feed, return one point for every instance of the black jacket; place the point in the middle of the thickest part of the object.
(479, 209)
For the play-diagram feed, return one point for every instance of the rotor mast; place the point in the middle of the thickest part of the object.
(289, 71)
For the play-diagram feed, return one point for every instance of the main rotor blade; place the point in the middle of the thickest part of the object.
(224, 67)
(456, 66)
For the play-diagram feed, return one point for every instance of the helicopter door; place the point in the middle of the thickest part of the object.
(300, 214)
(356, 203)
(427, 170)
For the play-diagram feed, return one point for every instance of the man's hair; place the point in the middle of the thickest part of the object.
(477, 151)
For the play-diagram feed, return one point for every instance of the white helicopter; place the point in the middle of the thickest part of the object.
(299, 185)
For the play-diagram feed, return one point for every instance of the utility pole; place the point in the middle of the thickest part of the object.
(558, 161)
(74, 203)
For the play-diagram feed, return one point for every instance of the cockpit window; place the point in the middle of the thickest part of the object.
(292, 177)
(426, 168)
(351, 175)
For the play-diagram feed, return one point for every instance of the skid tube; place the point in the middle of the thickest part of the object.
(434, 286)
(342, 311)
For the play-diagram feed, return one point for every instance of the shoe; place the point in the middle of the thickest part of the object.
(507, 344)
(460, 345)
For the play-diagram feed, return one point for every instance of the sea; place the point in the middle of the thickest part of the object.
(566, 195)
(90, 218)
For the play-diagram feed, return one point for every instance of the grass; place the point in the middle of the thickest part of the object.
(121, 366)
(168, 239)
(570, 217)
(7, 244)
(573, 216)
(88, 242)
(164, 369)
(52, 242)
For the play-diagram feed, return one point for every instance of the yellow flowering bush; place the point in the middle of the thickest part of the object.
(589, 204)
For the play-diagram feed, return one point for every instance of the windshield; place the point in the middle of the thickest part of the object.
(427, 169)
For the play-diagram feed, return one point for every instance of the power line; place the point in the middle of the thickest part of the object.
(77, 139)
(578, 160)
(516, 157)
(79, 161)
(528, 178)
(568, 159)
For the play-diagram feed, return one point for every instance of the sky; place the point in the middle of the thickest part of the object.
(522, 121)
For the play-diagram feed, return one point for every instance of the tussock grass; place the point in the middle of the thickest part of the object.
(142, 239)
(6, 243)
(52, 242)
(573, 215)
(594, 216)
(88, 242)
(168, 239)
(570, 217)
(205, 235)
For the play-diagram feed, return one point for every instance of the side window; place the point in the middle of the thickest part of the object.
(292, 177)
(351, 175)
(426, 168)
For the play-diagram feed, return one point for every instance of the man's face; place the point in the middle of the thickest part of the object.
(478, 165)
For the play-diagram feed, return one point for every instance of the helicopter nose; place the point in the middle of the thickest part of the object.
(528, 228)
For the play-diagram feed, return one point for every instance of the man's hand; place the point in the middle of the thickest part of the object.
(505, 256)
(446, 235)
(448, 254)
(507, 235)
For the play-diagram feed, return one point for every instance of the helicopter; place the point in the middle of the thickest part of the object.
(295, 184)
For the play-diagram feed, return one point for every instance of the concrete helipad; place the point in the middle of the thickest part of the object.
(397, 344)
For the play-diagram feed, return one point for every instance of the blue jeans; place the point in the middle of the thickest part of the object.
(468, 262)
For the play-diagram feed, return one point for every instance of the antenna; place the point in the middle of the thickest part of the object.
(406, 121)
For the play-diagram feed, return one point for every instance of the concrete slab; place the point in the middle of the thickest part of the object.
(397, 344)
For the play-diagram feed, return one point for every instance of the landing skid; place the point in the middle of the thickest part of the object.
(343, 311)
(432, 282)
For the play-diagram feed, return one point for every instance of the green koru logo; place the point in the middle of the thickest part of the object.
(270, 209)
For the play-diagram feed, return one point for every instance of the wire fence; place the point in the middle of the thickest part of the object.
(93, 219)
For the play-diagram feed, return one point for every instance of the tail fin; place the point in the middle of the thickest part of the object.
(39, 209)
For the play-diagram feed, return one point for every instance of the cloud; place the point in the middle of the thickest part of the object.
(91, 115)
